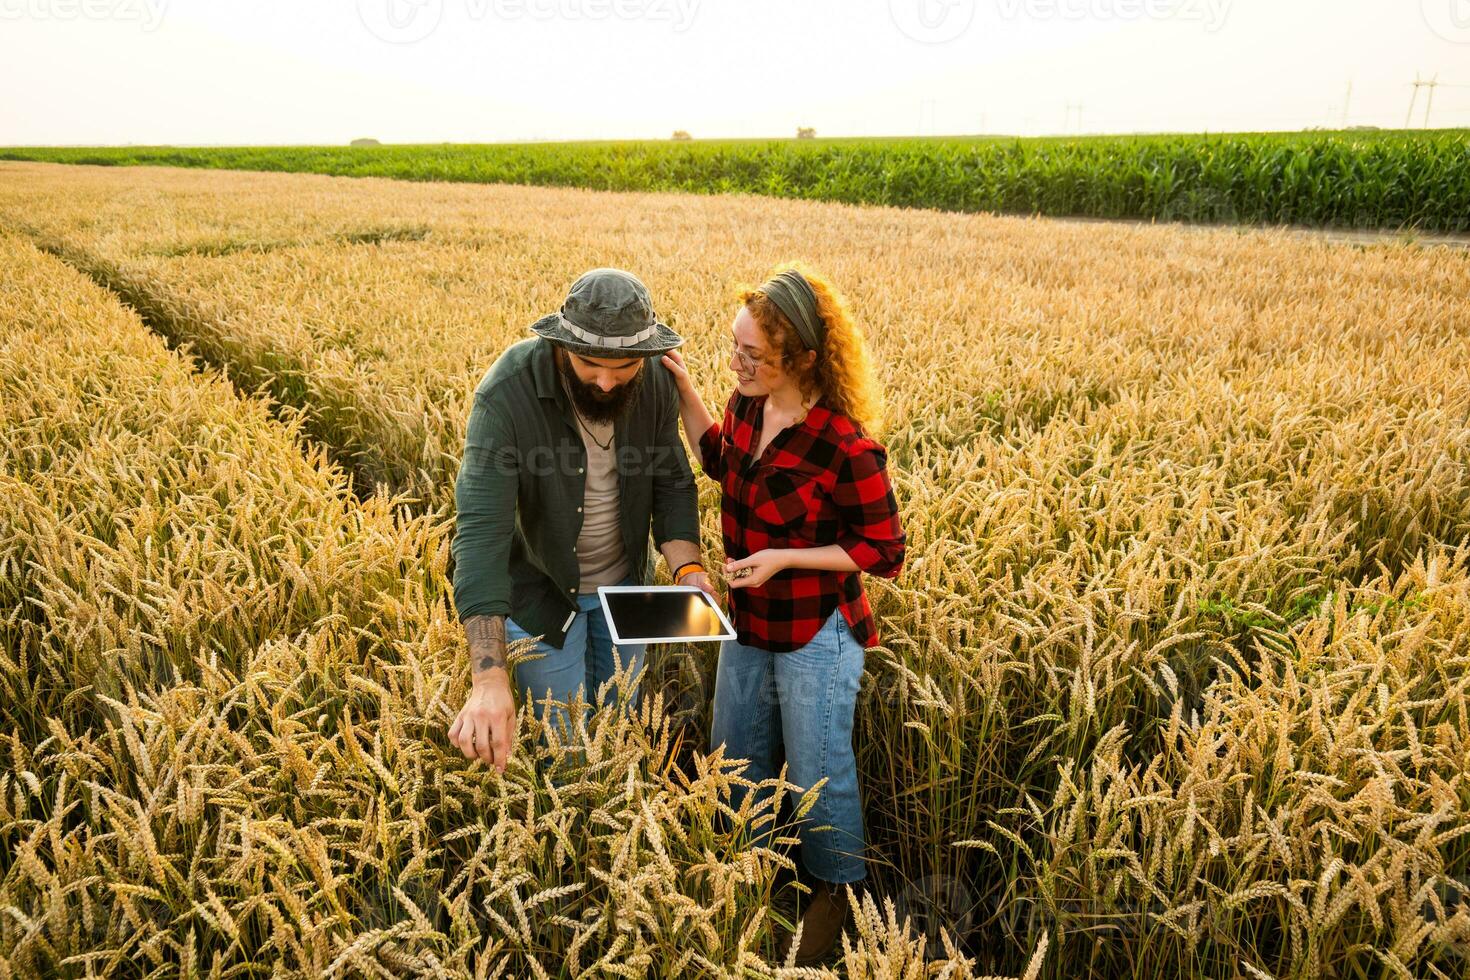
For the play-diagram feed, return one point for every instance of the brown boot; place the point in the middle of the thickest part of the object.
(821, 923)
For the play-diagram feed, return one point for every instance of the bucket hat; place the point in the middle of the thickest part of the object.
(607, 313)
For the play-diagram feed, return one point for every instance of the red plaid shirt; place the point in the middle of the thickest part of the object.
(818, 483)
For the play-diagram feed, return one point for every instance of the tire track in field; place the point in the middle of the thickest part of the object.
(186, 332)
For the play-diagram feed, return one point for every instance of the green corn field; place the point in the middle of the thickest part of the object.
(1350, 179)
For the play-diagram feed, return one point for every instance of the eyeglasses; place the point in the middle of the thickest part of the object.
(747, 363)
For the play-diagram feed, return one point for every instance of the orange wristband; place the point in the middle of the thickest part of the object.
(685, 567)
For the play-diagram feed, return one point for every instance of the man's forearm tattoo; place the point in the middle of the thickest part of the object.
(487, 641)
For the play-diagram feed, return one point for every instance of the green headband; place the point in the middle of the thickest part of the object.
(795, 298)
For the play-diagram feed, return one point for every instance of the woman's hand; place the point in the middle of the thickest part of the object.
(692, 413)
(762, 565)
(674, 362)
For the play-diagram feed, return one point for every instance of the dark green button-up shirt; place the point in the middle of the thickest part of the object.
(519, 492)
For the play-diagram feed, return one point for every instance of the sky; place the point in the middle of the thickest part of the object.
(205, 72)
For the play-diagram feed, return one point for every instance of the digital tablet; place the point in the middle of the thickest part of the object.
(662, 614)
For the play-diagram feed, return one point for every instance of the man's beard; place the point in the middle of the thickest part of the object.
(594, 404)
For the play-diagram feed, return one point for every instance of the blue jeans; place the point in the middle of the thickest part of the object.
(584, 662)
(804, 700)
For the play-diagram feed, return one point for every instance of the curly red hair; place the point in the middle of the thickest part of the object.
(843, 372)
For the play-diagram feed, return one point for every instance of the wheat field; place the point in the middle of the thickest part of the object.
(1173, 682)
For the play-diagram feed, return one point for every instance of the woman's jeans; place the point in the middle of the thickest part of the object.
(585, 662)
(803, 699)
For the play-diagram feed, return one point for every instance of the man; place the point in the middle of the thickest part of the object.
(572, 455)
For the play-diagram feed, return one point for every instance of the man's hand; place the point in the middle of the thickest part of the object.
(748, 573)
(680, 553)
(701, 580)
(485, 726)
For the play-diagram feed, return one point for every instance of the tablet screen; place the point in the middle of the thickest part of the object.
(640, 615)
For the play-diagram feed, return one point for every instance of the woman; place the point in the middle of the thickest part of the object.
(806, 505)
